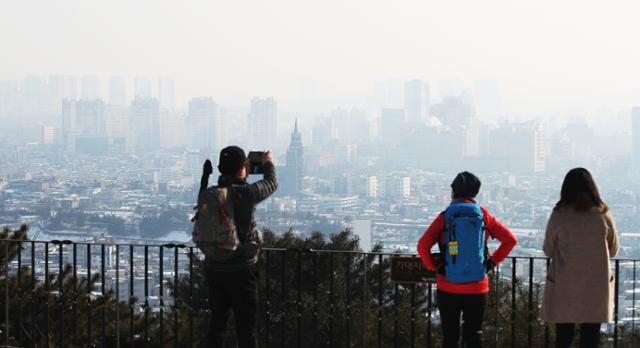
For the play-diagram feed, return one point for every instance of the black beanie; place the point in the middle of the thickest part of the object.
(232, 158)
(465, 185)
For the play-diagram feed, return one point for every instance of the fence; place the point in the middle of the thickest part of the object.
(61, 293)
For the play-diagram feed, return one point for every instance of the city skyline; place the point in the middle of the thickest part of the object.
(550, 58)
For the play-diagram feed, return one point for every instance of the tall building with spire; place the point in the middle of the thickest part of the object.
(294, 171)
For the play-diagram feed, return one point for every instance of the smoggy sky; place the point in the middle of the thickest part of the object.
(550, 56)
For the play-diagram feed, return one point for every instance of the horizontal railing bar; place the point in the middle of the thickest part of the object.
(188, 245)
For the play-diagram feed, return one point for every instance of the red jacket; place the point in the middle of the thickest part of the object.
(434, 235)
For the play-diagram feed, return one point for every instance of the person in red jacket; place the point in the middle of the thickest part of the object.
(467, 298)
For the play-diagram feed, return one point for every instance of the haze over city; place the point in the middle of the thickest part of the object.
(552, 58)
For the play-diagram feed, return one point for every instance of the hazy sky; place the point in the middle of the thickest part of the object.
(548, 55)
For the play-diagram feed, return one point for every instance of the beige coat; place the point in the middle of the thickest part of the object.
(579, 286)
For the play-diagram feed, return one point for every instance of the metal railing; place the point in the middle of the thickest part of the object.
(66, 294)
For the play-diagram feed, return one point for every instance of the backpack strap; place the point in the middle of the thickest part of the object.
(207, 169)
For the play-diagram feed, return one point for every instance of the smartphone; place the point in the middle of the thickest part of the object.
(255, 162)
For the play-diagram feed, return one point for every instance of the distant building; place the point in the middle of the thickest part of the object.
(144, 124)
(520, 145)
(454, 112)
(60, 87)
(416, 100)
(487, 99)
(327, 203)
(142, 88)
(166, 93)
(84, 126)
(292, 183)
(118, 91)
(322, 132)
(263, 123)
(50, 135)
(397, 186)
(204, 127)
(172, 128)
(635, 138)
(117, 121)
(392, 124)
(90, 87)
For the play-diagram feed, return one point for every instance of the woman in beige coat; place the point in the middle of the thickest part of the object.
(581, 239)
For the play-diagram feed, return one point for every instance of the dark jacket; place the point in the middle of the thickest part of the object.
(246, 198)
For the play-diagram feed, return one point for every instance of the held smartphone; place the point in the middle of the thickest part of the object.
(255, 162)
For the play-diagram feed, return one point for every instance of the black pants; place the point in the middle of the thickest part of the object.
(472, 308)
(589, 335)
(237, 291)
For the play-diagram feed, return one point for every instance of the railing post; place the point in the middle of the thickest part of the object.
(331, 304)
(429, 312)
(496, 322)
(267, 312)
(283, 299)
(513, 302)
(176, 287)
(89, 283)
(103, 290)
(380, 290)
(46, 292)
(132, 299)
(396, 303)
(160, 297)
(146, 295)
(75, 294)
(191, 299)
(530, 309)
(413, 315)
(299, 300)
(315, 295)
(117, 295)
(633, 308)
(6, 293)
(365, 292)
(546, 325)
(33, 291)
(348, 295)
(21, 293)
(60, 295)
(616, 305)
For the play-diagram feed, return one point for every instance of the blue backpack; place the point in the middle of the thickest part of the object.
(464, 243)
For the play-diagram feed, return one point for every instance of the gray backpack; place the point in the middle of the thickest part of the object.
(214, 231)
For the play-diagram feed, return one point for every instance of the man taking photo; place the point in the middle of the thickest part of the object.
(233, 277)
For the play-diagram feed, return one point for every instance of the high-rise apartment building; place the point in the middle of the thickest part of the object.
(61, 87)
(172, 128)
(397, 186)
(487, 99)
(118, 91)
(416, 101)
(144, 124)
(142, 87)
(84, 126)
(635, 138)
(521, 145)
(204, 126)
(392, 124)
(117, 121)
(263, 123)
(90, 87)
(166, 93)
(455, 112)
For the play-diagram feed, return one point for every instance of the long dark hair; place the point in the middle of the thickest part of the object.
(580, 192)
